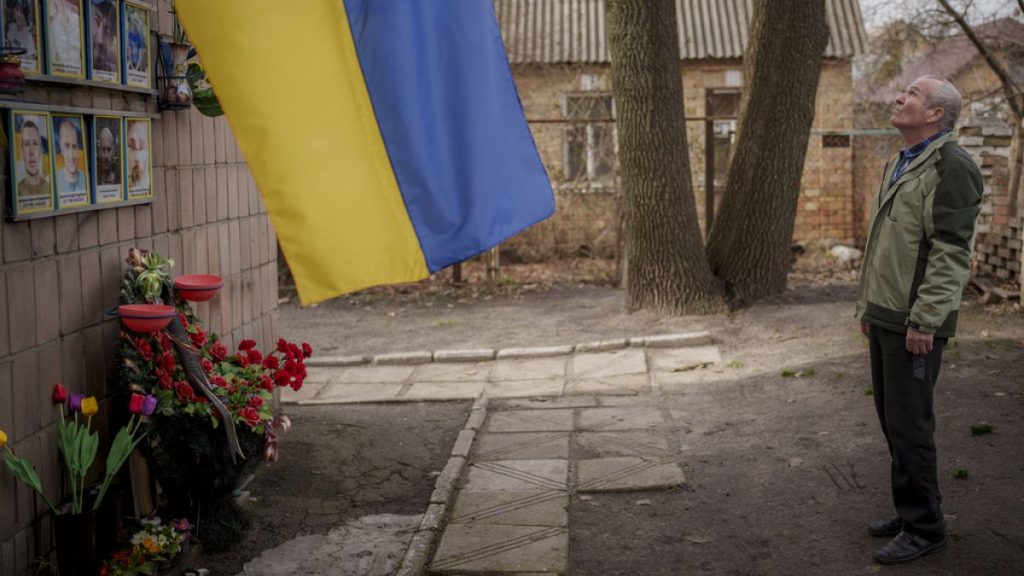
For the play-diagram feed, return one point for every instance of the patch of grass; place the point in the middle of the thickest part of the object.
(869, 391)
(995, 345)
(808, 373)
(960, 474)
(839, 375)
(735, 363)
(982, 429)
(787, 373)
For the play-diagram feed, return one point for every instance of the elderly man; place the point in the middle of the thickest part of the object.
(916, 263)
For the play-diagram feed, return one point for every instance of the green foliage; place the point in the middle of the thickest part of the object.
(735, 363)
(869, 391)
(787, 373)
(960, 474)
(982, 429)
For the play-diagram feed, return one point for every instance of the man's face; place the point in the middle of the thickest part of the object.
(31, 150)
(911, 109)
(138, 152)
(106, 149)
(69, 147)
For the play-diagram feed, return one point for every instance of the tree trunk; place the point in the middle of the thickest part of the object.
(750, 241)
(666, 267)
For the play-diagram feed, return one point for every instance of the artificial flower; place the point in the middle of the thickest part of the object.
(75, 404)
(60, 394)
(135, 404)
(89, 406)
(219, 351)
(198, 338)
(206, 364)
(247, 344)
(149, 405)
(3, 438)
(270, 362)
(250, 415)
(307, 350)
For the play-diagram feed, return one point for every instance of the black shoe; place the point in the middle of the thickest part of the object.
(906, 547)
(888, 528)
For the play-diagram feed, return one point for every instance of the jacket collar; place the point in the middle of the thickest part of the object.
(926, 157)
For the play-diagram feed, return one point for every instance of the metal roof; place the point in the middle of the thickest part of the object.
(559, 31)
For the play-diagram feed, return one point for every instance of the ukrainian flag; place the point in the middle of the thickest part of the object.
(386, 136)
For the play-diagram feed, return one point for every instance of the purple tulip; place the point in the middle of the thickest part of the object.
(149, 405)
(76, 402)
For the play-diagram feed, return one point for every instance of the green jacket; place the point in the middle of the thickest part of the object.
(918, 254)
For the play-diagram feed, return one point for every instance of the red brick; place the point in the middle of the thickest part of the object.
(143, 220)
(22, 307)
(47, 301)
(50, 374)
(17, 241)
(92, 288)
(185, 197)
(88, 229)
(184, 129)
(108, 226)
(199, 196)
(25, 378)
(171, 193)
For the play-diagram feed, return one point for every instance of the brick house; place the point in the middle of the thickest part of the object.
(60, 272)
(558, 51)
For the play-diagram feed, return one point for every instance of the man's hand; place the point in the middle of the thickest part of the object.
(865, 328)
(918, 343)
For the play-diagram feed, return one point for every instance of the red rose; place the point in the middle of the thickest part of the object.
(241, 360)
(282, 345)
(281, 377)
(266, 383)
(165, 341)
(219, 351)
(183, 319)
(247, 344)
(166, 361)
(164, 379)
(206, 364)
(255, 357)
(198, 338)
(144, 349)
(218, 381)
(250, 415)
(270, 362)
(255, 401)
(184, 391)
(307, 350)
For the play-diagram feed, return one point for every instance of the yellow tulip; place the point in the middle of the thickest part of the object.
(89, 406)
(3, 438)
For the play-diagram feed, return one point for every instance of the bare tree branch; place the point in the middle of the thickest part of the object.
(1013, 92)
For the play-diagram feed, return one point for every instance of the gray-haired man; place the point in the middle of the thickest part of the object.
(916, 263)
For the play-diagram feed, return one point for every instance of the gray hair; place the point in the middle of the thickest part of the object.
(947, 97)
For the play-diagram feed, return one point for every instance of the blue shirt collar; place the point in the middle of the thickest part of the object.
(916, 149)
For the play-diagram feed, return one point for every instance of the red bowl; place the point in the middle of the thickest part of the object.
(198, 287)
(145, 317)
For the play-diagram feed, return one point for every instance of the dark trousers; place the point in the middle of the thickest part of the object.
(904, 387)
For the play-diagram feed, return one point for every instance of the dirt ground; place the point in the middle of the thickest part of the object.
(783, 470)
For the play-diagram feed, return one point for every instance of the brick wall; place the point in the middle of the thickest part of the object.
(587, 217)
(59, 274)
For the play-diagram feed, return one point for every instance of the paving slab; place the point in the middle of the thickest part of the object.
(524, 388)
(684, 359)
(443, 390)
(621, 418)
(529, 369)
(512, 507)
(530, 421)
(608, 364)
(343, 393)
(502, 549)
(548, 474)
(630, 384)
(521, 446)
(642, 443)
(374, 374)
(307, 392)
(626, 474)
(450, 372)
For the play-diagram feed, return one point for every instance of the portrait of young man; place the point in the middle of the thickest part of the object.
(71, 167)
(31, 160)
(108, 165)
(104, 37)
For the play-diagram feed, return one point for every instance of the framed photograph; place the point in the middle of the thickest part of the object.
(21, 30)
(65, 55)
(104, 41)
(136, 45)
(108, 164)
(138, 163)
(32, 184)
(70, 160)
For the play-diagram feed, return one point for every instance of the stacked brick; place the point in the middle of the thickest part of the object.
(58, 275)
